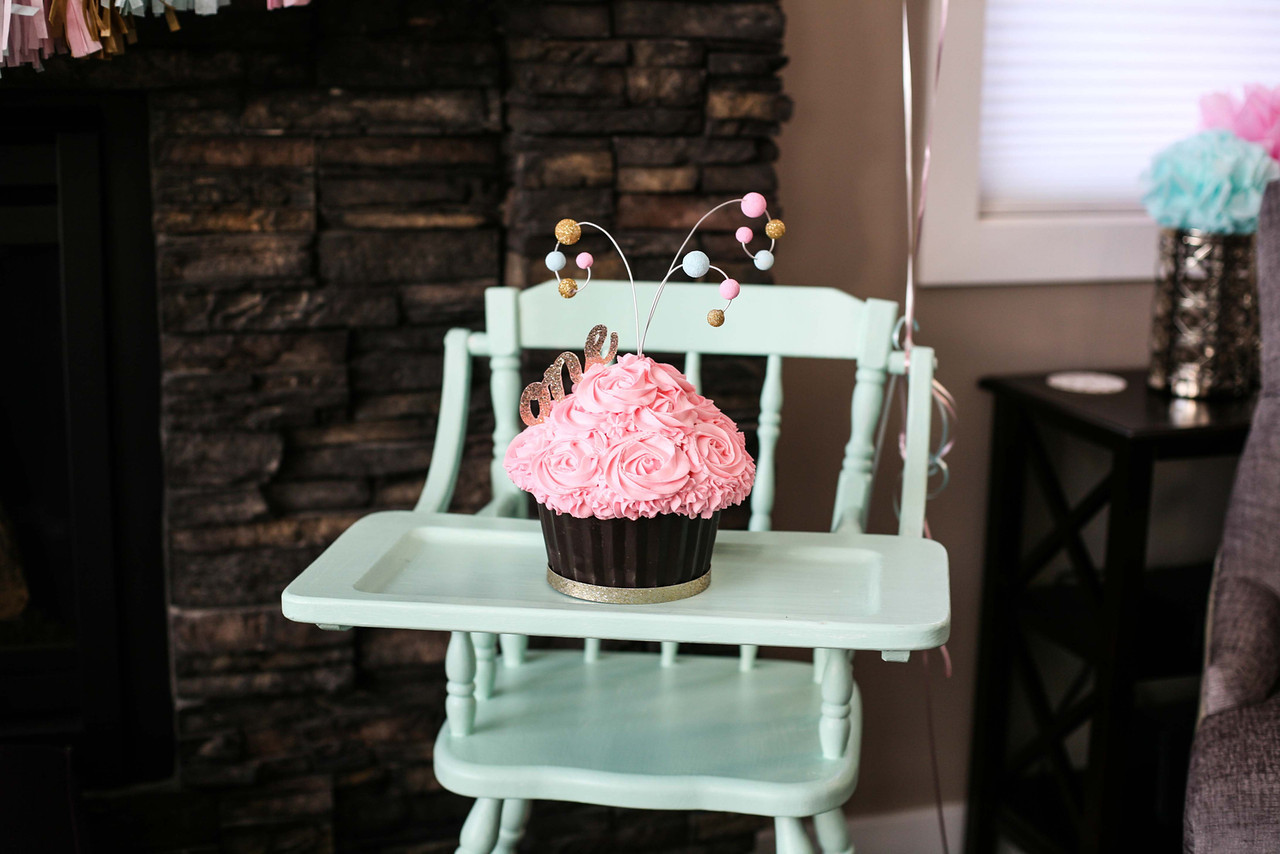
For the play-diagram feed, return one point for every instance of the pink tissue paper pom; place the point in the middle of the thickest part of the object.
(1256, 118)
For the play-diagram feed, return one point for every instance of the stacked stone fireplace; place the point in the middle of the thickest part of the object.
(332, 189)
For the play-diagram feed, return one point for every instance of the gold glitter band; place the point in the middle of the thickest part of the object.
(628, 595)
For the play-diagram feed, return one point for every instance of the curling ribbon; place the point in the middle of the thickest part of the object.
(915, 225)
(942, 398)
(915, 219)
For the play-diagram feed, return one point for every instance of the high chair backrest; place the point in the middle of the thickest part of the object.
(764, 320)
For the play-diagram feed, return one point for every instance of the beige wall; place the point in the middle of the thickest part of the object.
(842, 190)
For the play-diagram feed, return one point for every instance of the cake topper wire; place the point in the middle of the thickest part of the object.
(904, 332)
(675, 264)
(695, 263)
(635, 306)
(941, 396)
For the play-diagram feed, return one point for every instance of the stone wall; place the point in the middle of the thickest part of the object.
(641, 116)
(333, 188)
(650, 116)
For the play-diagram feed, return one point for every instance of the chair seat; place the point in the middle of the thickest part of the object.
(625, 731)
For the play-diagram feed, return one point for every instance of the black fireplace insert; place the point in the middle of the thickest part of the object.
(83, 640)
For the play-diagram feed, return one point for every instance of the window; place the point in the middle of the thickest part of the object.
(1047, 112)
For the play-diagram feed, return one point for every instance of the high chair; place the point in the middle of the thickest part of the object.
(655, 731)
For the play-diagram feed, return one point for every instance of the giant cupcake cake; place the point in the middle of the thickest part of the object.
(631, 468)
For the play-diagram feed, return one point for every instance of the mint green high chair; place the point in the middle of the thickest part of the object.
(655, 731)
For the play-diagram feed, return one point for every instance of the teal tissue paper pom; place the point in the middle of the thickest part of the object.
(1212, 181)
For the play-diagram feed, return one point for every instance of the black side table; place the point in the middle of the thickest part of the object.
(1124, 622)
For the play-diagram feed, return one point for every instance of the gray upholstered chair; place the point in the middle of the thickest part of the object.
(1233, 790)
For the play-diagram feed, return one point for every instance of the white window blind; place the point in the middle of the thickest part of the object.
(1078, 94)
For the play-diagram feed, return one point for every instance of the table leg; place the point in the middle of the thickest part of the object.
(1005, 498)
(1126, 558)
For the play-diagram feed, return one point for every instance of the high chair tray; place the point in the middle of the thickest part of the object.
(402, 569)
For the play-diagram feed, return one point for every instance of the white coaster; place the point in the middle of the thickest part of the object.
(1086, 382)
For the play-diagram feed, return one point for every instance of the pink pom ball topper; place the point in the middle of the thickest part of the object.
(695, 264)
(753, 205)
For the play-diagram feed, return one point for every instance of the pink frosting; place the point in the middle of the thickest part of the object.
(633, 439)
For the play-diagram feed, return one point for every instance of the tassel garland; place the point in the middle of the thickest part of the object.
(33, 30)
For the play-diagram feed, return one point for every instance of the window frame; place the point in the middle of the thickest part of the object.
(960, 245)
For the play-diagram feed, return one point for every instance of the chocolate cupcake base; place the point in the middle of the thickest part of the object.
(632, 561)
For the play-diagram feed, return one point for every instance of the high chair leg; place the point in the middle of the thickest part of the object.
(833, 832)
(480, 831)
(515, 814)
(791, 836)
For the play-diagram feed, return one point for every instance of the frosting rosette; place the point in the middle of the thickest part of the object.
(633, 439)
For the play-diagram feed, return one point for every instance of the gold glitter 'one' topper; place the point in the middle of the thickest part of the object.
(550, 391)
(595, 341)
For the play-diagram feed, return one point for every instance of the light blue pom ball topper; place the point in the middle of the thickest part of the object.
(696, 264)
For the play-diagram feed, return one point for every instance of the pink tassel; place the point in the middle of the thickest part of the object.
(79, 39)
(285, 4)
(29, 39)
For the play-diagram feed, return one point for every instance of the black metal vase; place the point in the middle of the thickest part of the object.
(1204, 335)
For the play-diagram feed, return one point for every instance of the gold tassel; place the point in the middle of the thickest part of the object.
(171, 18)
(90, 13)
(58, 20)
(114, 28)
(126, 27)
(94, 24)
(92, 20)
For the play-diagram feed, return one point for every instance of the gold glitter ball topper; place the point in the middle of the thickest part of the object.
(568, 288)
(568, 231)
(775, 228)
(715, 317)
